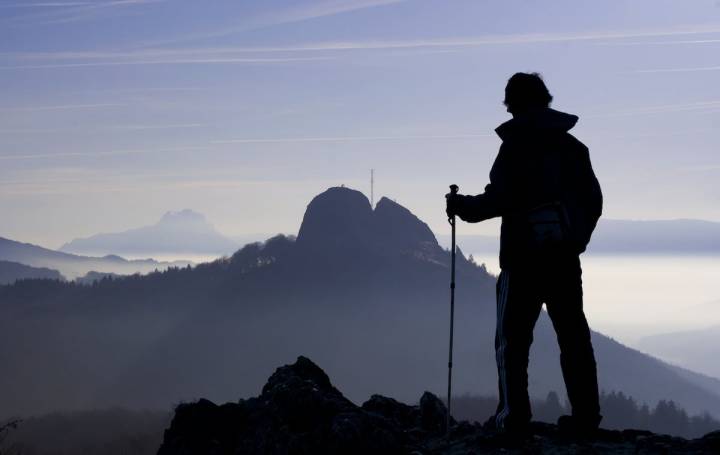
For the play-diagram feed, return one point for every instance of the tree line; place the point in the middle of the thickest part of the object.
(619, 412)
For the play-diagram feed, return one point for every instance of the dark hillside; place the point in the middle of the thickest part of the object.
(13, 271)
(365, 292)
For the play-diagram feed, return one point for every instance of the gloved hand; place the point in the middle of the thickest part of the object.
(452, 204)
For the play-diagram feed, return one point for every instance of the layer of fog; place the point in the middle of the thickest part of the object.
(631, 297)
(635, 297)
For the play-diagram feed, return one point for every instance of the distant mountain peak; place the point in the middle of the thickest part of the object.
(185, 216)
(177, 232)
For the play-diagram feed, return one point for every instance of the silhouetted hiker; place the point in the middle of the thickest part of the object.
(543, 186)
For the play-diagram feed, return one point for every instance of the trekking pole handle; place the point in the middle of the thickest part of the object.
(453, 191)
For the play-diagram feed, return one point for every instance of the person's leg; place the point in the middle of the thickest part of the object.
(564, 303)
(518, 308)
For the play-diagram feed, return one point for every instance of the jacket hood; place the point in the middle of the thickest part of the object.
(545, 119)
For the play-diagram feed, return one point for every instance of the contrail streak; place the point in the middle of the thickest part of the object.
(348, 138)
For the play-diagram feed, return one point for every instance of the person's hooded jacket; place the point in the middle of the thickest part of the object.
(539, 162)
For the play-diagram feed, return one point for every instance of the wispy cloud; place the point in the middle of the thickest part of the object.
(60, 107)
(701, 167)
(85, 130)
(144, 89)
(349, 138)
(65, 174)
(654, 134)
(661, 43)
(524, 38)
(44, 4)
(97, 154)
(149, 183)
(679, 70)
(315, 10)
(701, 106)
(697, 105)
(299, 13)
(157, 127)
(179, 61)
(243, 54)
(295, 140)
(63, 12)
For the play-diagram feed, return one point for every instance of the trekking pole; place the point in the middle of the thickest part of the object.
(453, 191)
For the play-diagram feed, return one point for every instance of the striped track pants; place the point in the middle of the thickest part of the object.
(521, 293)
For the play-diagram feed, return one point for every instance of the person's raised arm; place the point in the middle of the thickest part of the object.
(489, 204)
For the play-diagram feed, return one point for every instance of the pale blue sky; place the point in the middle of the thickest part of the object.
(113, 112)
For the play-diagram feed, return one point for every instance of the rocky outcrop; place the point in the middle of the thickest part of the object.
(300, 412)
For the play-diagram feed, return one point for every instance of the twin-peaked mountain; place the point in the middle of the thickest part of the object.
(363, 291)
(342, 219)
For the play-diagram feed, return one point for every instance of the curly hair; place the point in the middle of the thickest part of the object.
(526, 90)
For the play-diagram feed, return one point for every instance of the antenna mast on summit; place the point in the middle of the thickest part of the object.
(372, 187)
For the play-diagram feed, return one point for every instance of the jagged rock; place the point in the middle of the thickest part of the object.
(303, 397)
(433, 414)
(711, 441)
(400, 413)
(300, 412)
